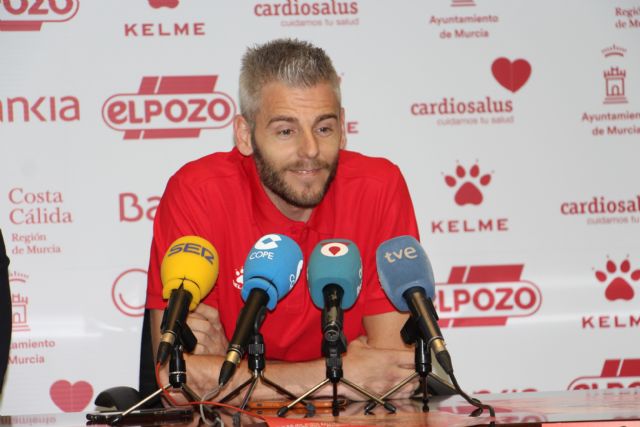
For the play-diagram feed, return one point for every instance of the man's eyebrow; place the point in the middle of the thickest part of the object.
(327, 117)
(282, 119)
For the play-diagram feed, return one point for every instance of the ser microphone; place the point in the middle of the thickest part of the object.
(188, 272)
(334, 276)
(272, 268)
(407, 279)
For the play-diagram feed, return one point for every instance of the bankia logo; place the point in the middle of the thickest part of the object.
(469, 184)
(29, 15)
(486, 295)
(170, 107)
(128, 292)
(616, 373)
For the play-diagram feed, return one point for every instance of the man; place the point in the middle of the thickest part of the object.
(288, 174)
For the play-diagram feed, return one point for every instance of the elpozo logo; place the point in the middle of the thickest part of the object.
(29, 15)
(616, 373)
(170, 107)
(486, 295)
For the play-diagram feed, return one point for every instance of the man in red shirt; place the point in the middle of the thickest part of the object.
(289, 174)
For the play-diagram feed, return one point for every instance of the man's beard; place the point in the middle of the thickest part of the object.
(273, 179)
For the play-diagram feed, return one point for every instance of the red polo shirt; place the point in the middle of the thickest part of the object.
(220, 198)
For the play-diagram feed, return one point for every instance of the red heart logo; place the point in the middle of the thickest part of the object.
(511, 75)
(71, 397)
(334, 249)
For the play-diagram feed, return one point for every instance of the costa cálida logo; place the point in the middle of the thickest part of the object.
(29, 15)
(616, 373)
(170, 107)
(486, 295)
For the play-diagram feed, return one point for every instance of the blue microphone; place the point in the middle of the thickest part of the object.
(407, 278)
(271, 269)
(334, 275)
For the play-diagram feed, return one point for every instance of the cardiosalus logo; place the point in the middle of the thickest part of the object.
(29, 15)
(170, 107)
(486, 295)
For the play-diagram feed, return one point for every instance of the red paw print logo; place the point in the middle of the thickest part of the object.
(468, 192)
(618, 287)
(171, 4)
(238, 279)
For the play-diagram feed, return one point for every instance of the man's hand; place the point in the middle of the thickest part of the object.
(205, 324)
(377, 369)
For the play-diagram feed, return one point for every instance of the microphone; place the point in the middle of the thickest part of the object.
(188, 272)
(334, 276)
(272, 267)
(407, 279)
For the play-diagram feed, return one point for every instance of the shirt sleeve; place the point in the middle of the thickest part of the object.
(181, 212)
(395, 216)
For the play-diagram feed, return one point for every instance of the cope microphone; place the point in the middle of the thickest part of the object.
(272, 268)
(407, 279)
(188, 272)
(334, 276)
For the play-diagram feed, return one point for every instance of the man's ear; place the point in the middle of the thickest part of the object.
(343, 130)
(242, 133)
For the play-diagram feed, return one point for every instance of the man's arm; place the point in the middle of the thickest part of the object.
(377, 362)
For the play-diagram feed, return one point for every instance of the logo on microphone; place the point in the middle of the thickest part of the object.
(29, 15)
(334, 249)
(268, 242)
(170, 107)
(128, 292)
(616, 373)
(486, 295)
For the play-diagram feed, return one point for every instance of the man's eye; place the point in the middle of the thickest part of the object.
(325, 130)
(285, 132)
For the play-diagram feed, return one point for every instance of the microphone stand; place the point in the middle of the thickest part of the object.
(410, 335)
(185, 340)
(257, 363)
(334, 343)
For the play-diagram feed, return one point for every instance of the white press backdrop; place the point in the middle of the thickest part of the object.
(516, 124)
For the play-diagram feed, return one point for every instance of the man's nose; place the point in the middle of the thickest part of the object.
(309, 145)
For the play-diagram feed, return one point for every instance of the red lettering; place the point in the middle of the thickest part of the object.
(603, 321)
(460, 297)
(502, 304)
(147, 29)
(519, 300)
(453, 226)
(352, 127)
(152, 108)
(226, 109)
(115, 112)
(182, 110)
(132, 114)
(68, 5)
(441, 303)
(436, 227)
(181, 30)
(489, 299)
(132, 199)
(22, 7)
(130, 30)
(195, 114)
(198, 29)
(37, 9)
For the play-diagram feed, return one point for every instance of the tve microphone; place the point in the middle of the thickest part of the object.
(334, 275)
(188, 272)
(407, 279)
(272, 268)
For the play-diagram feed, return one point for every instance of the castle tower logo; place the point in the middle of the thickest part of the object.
(614, 77)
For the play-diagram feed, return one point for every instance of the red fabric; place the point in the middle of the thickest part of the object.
(220, 198)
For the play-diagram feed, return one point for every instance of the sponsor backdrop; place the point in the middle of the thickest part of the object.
(516, 124)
